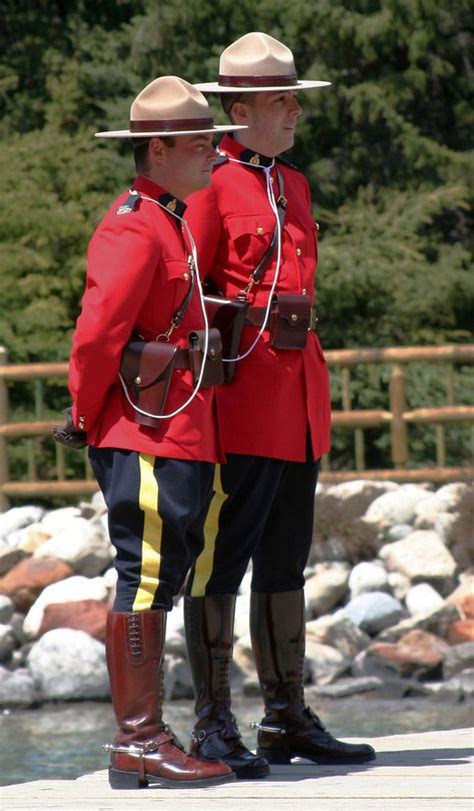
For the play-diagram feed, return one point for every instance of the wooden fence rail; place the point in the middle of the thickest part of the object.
(340, 362)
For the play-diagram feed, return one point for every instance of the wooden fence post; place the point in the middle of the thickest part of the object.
(4, 503)
(399, 434)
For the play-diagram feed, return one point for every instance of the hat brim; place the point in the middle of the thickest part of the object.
(215, 87)
(162, 134)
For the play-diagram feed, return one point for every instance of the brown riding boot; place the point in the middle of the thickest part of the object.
(145, 749)
(209, 624)
(290, 728)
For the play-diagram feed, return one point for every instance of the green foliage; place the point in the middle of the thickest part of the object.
(386, 151)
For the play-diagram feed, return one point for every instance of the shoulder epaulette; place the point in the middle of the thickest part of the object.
(130, 204)
(291, 165)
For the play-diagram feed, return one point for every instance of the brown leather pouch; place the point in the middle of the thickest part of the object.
(290, 320)
(228, 316)
(146, 368)
(214, 369)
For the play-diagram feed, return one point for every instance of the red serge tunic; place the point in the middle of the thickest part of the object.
(275, 394)
(137, 277)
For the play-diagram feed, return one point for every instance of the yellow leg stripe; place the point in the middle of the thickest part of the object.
(205, 561)
(151, 541)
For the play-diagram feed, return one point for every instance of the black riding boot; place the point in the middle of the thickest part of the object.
(290, 728)
(209, 624)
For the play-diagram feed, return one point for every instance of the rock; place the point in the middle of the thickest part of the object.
(16, 625)
(338, 631)
(349, 687)
(245, 586)
(452, 493)
(366, 664)
(175, 620)
(422, 556)
(458, 658)
(445, 690)
(374, 611)
(32, 537)
(367, 576)
(242, 614)
(466, 680)
(416, 650)
(346, 490)
(422, 599)
(9, 557)
(95, 507)
(110, 579)
(461, 631)
(463, 597)
(397, 532)
(436, 622)
(7, 643)
(28, 578)
(83, 615)
(429, 507)
(324, 663)
(176, 646)
(399, 584)
(443, 525)
(178, 681)
(67, 664)
(17, 688)
(397, 506)
(243, 656)
(17, 518)
(329, 550)
(6, 609)
(57, 520)
(72, 590)
(82, 545)
(326, 587)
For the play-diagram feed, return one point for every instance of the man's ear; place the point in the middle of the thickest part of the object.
(157, 150)
(239, 112)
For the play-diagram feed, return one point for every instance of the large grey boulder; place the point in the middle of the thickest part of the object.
(423, 557)
(423, 599)
(326, 587)
(368, 576)
(338, 631)
(324, 663)
(57, 520)
(68, 664)
(396, 507)
(349, 687)
(16, 688)
(81, 544)
(458, 658)
(436, 622)
(373, 611)
(18, 517)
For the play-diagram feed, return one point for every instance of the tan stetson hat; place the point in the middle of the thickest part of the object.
(257, 62)
(169, 106)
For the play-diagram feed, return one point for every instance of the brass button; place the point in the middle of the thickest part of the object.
(294, 317)
(138, 380)
(304, 291)
(298, 252)
(259, 230)
(185, 276)
(212, 353)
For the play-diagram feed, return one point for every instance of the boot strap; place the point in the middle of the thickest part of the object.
(227, 731)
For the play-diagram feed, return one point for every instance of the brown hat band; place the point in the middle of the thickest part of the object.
(170, 124)
(257, 81)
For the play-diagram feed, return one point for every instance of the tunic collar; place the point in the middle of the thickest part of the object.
(158, 193)
(232, 149)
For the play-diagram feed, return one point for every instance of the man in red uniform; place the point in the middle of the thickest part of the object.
(274, 416)
(155, 471)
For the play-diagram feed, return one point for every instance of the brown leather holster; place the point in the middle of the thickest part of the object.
(290, 320)
(228, 316)
(213, 371)
(146, 368)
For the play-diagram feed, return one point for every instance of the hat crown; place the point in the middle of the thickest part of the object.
(257, 54)
(169, 98)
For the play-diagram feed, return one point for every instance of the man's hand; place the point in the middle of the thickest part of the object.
(67, 434)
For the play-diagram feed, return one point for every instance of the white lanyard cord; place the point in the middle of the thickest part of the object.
(272, 201)
(194, 269)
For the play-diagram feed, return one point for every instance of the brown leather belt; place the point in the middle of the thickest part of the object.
(255, 316)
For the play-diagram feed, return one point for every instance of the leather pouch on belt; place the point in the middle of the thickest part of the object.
(228, 316)
(214, 369)
(146, 369)
(290, 320)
